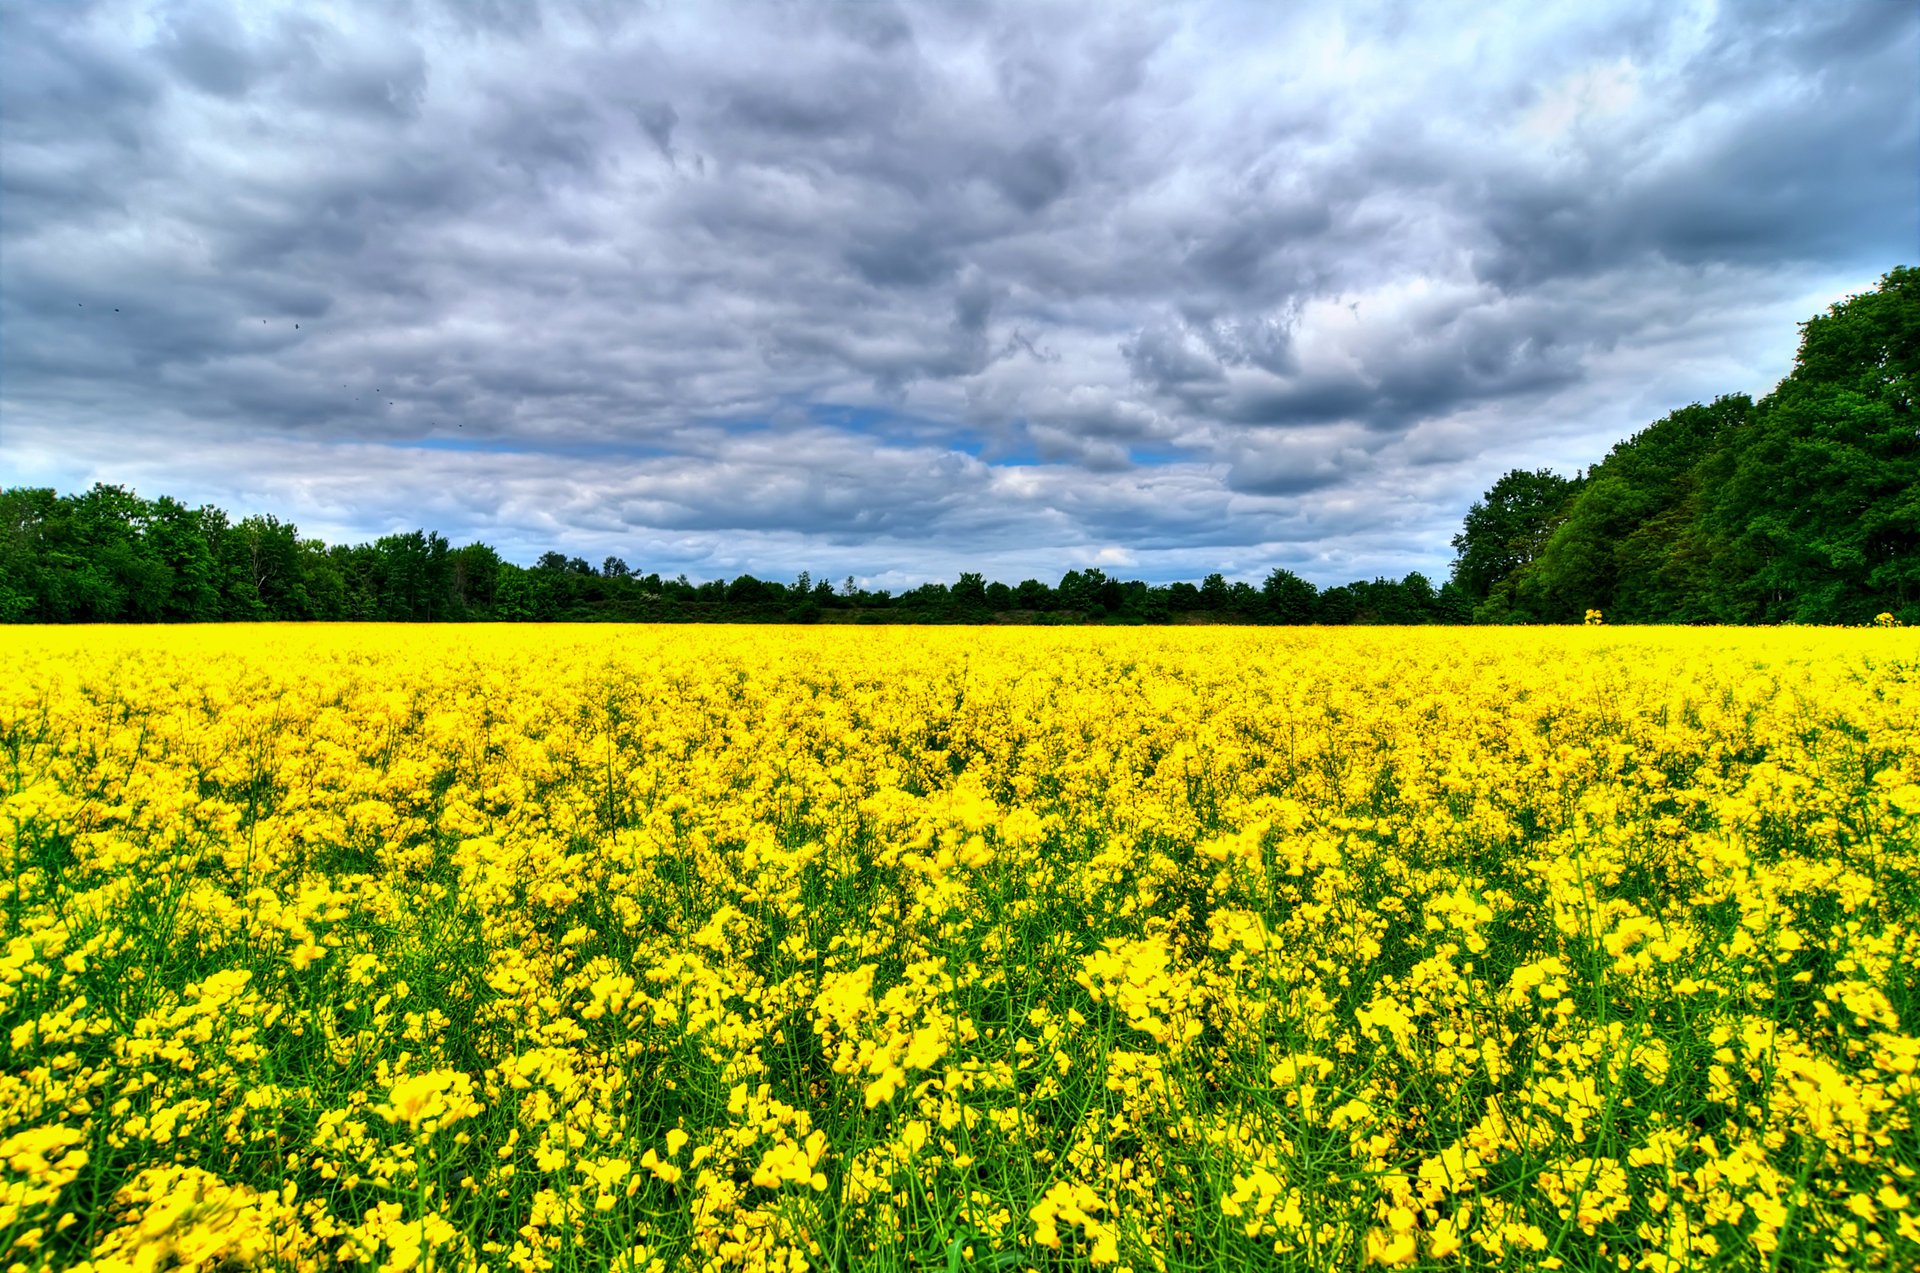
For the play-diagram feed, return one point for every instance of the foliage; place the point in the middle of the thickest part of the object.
(1803, 507)
(109, 556)
(1507, 529)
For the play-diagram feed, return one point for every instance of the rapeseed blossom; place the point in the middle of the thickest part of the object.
(548, 949)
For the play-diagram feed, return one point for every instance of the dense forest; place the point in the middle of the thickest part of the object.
(1802, 507)
(109, 556)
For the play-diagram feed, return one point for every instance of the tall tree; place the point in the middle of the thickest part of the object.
(262, 562)
(475, 578)
(1508, 528)
(25, 570)
(1821, 506)
(178, 541)
(970, 590)
(416, 576)
(1611, 551)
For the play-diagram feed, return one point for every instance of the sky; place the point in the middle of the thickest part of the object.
(899, 290)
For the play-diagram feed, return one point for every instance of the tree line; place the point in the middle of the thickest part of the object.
(109, 556)
(1802, 507)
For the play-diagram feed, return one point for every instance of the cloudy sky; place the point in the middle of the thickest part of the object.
(899, 290)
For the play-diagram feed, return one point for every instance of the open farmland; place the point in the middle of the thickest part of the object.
(542, 948)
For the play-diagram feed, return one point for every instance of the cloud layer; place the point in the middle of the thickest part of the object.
(902, 290)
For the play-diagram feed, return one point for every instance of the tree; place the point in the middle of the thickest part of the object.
(1610, 551)
(325, 585)
(1508, 528)
(24, 513)
(258, 564)
(176, 540)
(1336, 606)
(1076, 587)
(1820, 507)
(122, 578)
(528, 594)
(1213, 592)
(1087, 590)
(475, 577)
(1575, 570)
(415, 576)
(1149, 604)
(746, 591)
(1421, 602)
(1031, 594)
(1289, 598)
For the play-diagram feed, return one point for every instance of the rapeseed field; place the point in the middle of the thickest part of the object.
(557, 948)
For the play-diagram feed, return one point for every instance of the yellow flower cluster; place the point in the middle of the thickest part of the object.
(783, 949)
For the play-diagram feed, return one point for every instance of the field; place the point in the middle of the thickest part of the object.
(557, 948)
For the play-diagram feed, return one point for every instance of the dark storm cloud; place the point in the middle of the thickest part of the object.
(902, 289)
(1034, 175)
(1429, 353)
(208, 50)
(1765, 175)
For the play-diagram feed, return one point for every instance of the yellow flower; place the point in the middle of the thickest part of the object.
(493, 930)
(431, 1101)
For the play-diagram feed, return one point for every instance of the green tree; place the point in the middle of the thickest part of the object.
(1820, 510)
(25, 513)
(475, 578)
(1289, 598)
(271, 560)
(1576, 570)
(177, 540)
(1336, 605)
(1615, 548)
(415, 574)
(745, 592)
(1213, 592)
(1031, 594)
(328, 596)
(971, 591)
(1508, 528)
(122, 578)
